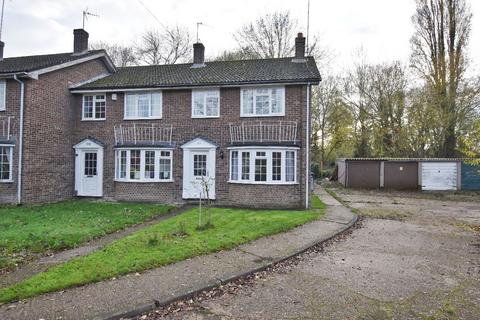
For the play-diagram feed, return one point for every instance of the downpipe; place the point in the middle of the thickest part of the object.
(20, 139)
(307, 150)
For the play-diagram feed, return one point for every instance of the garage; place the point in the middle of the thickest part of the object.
(470, 176)
(439, 175)
(400, 175)
(363, 174)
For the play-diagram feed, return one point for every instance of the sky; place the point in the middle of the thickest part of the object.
(381, 27)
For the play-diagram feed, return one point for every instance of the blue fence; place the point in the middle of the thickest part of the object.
(470, 176)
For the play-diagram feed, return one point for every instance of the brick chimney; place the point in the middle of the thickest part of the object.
(80, 41)
(2, 45)
(299, 48)
(198, 55)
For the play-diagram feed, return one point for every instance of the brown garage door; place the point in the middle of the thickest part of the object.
(363, 174)
(401, 175)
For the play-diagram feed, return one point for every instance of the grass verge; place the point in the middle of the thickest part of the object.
(166, 242)
(27, 230)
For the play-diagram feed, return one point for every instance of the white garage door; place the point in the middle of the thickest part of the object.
(439, 176)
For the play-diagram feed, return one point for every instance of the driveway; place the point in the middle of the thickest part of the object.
(414, 257)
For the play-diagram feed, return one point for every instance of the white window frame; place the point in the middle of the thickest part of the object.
(10, 179)
(206, 92)
(136, 95)
(158, 156)
(270, 114)
(94, 100)
(253, 155)
(3, 102)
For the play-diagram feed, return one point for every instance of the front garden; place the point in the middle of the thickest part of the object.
(171, 240)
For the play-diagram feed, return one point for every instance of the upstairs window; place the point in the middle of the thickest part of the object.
(3, 94)
(263, 102)
(94, 107)
(143, 106)
(205, 103)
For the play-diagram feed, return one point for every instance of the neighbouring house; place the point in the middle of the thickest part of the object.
(429, 174)
(155, 133)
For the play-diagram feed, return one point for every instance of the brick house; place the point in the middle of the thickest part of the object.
(156, 133)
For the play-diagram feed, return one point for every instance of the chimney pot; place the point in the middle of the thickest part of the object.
(299, 48)
(80, 41)
(2, 45)
(198, 55)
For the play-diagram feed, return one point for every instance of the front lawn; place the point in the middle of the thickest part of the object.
(25, 230)
(166, 242)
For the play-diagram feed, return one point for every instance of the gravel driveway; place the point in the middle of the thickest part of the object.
(414, 257)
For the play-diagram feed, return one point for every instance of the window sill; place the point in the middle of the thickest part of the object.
(6, 181)
(99, 119)
(261, 115)
(205, 117)
(143, 181)
(139, 118)
(272, 183)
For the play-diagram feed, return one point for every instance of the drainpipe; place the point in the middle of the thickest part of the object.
(20, 139)
(307, 150)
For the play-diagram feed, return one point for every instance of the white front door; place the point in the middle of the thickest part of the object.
(199, 171)
(89, 171)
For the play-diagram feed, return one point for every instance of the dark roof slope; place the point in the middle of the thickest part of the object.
(214, 73)
(32, 63)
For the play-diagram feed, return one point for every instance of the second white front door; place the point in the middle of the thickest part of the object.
(199, 171)
(89, 169)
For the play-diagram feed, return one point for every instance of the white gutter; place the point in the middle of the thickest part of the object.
(307, 150)
(20, 139)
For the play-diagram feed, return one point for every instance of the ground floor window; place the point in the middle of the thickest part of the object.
(6, 158)
(268, 166)
(144, 165)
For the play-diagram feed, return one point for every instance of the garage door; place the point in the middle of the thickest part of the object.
(439, 176)
(363, 174)
(401, 175)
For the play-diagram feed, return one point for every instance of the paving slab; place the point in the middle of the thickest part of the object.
(140, 291)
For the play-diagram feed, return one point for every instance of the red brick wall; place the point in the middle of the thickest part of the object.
(177, 112)
(48, 170)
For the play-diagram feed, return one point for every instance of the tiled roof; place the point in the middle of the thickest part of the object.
(213, 73)
(32, 63)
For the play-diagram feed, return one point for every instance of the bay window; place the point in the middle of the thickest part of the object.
(262, 102)
(94, 107)
(263, 165)
(6, 159)
(143, 165)
(143, 105)
(205, 103)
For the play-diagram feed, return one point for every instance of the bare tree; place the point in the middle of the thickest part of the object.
(168, 46)
(439, 54)
(121, 56)
(272, 36)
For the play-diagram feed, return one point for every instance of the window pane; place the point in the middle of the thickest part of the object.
(198, 103)
(245, 165)
(149, 164)
(3, 90)
(247, 101)
(156, 104)
(123, 164)
(277, 100)
(234, 167)
(90, 164)
(260, 169)
(199, 165)
(135, 164)
(290, 166)
(262, 103)
(100, 109)
(276, 166)
(130, 106)
(88, 106)
(144, 105)
(212, 106)
(5, 163)
(165, 168)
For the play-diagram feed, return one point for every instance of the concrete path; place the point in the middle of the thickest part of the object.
(117, 297)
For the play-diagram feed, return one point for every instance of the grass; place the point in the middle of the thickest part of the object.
(162, 244)
(27, 230)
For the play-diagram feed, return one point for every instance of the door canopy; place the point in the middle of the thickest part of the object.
(199, 143)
